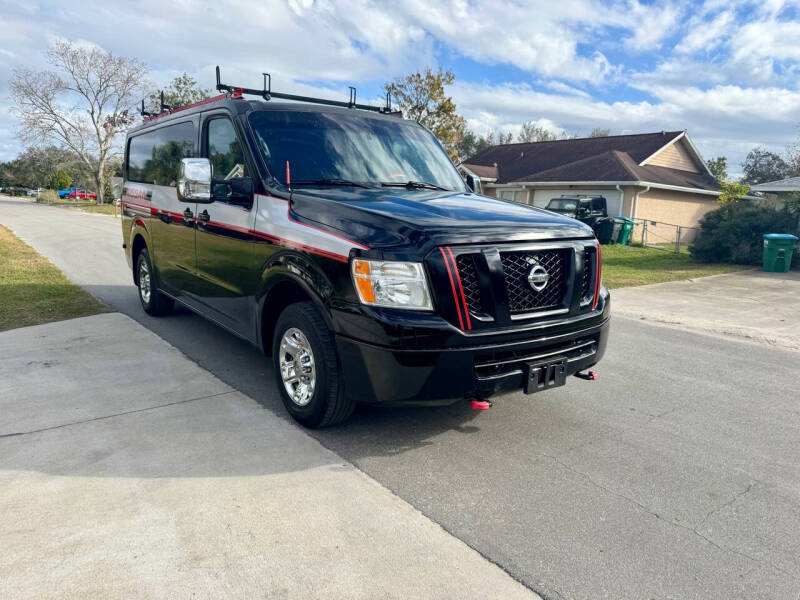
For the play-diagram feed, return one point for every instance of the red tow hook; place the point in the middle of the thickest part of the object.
(480, 405)
(590, 375)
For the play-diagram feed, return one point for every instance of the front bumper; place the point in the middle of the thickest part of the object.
(378, 374)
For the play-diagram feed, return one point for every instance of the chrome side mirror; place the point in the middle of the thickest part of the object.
(194, 180)
(116, 187)
(474, 184)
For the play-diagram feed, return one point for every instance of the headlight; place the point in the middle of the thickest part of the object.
(391, 283)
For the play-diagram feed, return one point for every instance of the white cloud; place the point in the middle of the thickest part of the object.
(724, 120)
(731, 78)
(568, 90)
(705, 36)
(652, 23)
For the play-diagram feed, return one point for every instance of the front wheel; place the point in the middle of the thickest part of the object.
(307, 368)
(153, 301)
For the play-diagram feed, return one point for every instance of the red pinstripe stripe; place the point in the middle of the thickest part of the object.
(296, 222)
(453, 287)
(149, 209)
(282, 241)
(267, 236)
(460, 287)
(598, 273)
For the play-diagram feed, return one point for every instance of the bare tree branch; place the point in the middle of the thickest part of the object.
(83, 104)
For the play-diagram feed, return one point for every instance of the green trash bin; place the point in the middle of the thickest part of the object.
(778, 248)
(615, 234)
(626, 230)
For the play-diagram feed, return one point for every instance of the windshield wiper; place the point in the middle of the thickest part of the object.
(331, 182)
(414, 185)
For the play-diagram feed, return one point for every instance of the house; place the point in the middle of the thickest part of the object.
(658, 177)
(780, 190)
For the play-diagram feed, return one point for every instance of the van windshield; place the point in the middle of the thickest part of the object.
(329, 148)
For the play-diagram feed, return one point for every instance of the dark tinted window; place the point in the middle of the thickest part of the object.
(352, 146)
(154, 157)
(224, 150)
(566, 205)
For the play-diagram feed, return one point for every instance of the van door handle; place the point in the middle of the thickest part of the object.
(204, 216)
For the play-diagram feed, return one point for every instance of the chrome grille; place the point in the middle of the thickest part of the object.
(521, 295)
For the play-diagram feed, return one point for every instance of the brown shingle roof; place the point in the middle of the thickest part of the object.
(484, 171)
(613, 158)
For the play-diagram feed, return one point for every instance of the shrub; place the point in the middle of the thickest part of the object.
(61, 180)
(48, 196)
(734, 232)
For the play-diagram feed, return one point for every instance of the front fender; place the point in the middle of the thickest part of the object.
(294, 267)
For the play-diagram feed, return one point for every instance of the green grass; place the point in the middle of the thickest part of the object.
(101, 209)
(625, 266)
(33, 291)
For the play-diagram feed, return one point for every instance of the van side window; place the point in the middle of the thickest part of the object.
(154, 157)
(224, 151)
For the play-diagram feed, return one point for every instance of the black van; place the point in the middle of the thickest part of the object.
(343, 242)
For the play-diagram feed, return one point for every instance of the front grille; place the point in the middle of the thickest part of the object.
(588, 266)
(522, 297)
(469, 282)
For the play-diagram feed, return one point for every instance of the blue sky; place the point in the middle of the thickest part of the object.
(725, 70)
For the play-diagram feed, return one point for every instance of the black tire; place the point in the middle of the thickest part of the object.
(328, 403)
(154, 302)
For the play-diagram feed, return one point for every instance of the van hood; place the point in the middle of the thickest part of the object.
(382, 218)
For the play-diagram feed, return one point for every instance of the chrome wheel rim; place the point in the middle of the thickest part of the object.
(144, 282)
(298, 371)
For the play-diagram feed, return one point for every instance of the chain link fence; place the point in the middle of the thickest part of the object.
(663, 236)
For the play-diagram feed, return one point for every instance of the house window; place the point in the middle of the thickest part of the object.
(514, 195)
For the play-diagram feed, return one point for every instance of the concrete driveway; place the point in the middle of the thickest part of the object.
(127, 471)
(752, 305)
(676, 475)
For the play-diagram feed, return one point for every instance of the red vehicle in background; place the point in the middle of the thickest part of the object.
(82, 194)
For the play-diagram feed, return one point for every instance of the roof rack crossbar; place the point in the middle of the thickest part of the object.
(164, 107)
(267, 94)
(144, 113)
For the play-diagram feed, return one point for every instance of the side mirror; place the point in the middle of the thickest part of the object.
(116, 187)
(236, 190)
(194, 180)
(474, 184)
(470, 180)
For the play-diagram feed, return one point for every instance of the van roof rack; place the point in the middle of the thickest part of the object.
(267, 94)
(163, 108)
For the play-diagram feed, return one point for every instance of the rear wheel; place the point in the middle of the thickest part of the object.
(307, 368)
(153, 301)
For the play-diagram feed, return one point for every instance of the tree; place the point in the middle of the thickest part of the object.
(732, 191)
(422, 97)
(472, 143)
(719, 168)
(83, 104)
(181, 91)
(60, 181)
(760, 166)
(597, 132)
(35, 166)
(531, 132)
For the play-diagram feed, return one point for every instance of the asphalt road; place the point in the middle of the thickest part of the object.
(676, 475)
